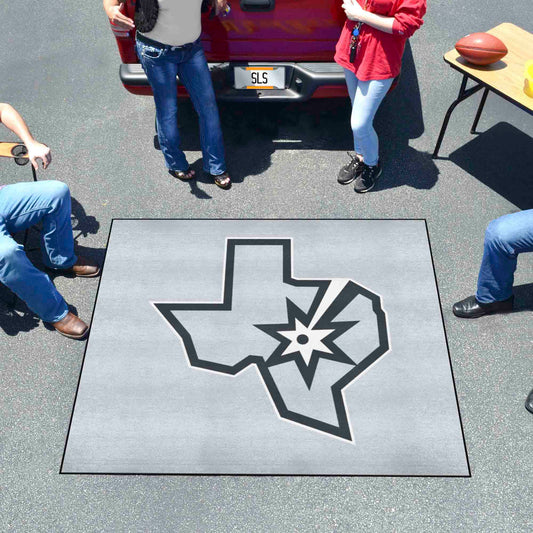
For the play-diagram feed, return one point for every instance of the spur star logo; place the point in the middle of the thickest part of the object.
(308, 338)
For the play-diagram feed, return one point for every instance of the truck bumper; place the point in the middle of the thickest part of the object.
(303, 81)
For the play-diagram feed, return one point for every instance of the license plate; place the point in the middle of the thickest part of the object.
(260, 78)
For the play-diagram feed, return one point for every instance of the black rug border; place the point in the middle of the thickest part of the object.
(196, 474)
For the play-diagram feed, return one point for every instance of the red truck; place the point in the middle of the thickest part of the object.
(263, 50)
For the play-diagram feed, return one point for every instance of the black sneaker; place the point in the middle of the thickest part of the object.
(368, 177)
(471, 308)
(350, 171)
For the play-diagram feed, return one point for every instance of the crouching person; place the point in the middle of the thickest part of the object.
(23, 205)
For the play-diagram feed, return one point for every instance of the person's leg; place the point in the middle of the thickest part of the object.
(355, 166)
(195, 75)
(24, 204)
(30, 284)
(367, 99)
(160, 65)
(351, 84)
(505, 238)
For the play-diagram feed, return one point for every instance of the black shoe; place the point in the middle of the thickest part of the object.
(367, 179)
(529, 402)
(471, 308)
(350, 171)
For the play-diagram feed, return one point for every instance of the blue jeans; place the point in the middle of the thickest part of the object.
(505, 238)
(162, 65)
(366, 96)
(21, 206)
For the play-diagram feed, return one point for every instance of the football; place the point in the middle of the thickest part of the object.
(481, 48)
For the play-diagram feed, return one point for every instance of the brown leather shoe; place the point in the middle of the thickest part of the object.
(72, 327)
(85, 268)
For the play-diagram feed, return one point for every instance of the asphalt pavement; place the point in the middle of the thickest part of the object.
(59, 68)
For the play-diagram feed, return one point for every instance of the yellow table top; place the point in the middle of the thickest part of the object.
(507, 75)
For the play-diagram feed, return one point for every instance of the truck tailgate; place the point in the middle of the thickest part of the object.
(280, 30)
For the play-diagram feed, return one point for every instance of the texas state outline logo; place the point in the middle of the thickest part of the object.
(309, 338)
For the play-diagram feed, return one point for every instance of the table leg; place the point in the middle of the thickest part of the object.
(464, 93)
(480, 110)
(26, 234)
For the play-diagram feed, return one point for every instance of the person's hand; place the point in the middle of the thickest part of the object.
(118, 18)
(220, 6)
(353, 10)
(36, 151)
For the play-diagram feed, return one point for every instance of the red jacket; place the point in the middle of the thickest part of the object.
(379, 54)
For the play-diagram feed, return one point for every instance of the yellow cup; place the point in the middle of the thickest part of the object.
(528, 82)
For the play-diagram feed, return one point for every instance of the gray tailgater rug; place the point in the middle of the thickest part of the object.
(304, 347)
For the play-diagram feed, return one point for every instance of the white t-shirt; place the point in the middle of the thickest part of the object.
(179, 22)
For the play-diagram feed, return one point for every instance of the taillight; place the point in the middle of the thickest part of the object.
(120, 32)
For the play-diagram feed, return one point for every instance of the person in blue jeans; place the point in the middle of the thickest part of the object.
(168, 45)
(370, 49)
(23, 205)
(505, 238)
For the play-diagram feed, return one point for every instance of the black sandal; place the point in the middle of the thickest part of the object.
(183, 175)
(222, 180)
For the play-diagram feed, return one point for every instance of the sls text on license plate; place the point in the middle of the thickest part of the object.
(259, 77)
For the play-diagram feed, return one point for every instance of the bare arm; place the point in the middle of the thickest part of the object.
(10, 118)
(115, 15)
(378, 21)
(406, 20)
(355, 12)
(36, 150)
